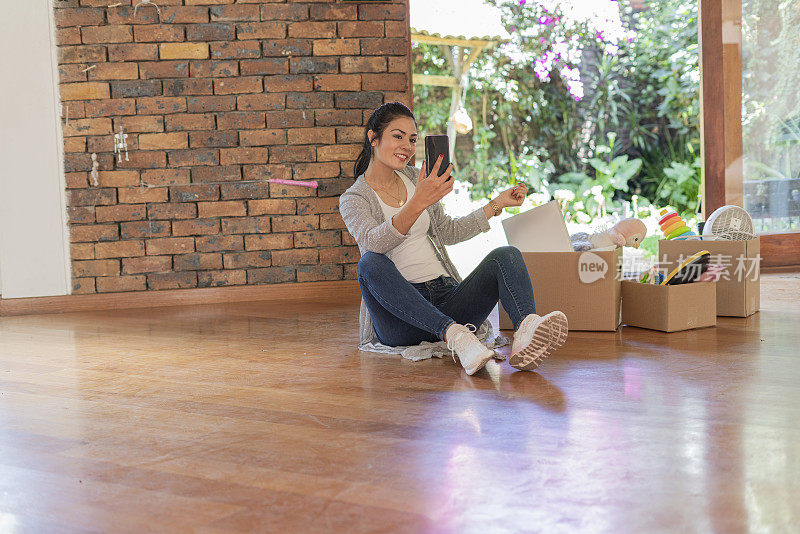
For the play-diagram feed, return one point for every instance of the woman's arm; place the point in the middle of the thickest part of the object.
(370, 235)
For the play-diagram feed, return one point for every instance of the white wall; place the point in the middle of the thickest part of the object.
(34, 244)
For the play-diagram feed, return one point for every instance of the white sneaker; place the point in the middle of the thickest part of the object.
(472, 354)
(536, 338)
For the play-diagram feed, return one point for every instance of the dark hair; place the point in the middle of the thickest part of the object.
(378, 122)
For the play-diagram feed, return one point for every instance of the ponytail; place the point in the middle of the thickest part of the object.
(378, 122)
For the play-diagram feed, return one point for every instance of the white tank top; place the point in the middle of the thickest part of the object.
(415, 257)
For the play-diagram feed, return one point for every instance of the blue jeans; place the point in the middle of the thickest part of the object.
(405, 313)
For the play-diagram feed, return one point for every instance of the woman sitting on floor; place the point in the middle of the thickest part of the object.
(411, 292)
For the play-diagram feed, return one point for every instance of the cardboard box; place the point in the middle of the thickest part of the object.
(739, 288)
(669, 308)
(583, 285)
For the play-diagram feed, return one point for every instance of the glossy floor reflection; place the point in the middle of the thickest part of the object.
(263, 417)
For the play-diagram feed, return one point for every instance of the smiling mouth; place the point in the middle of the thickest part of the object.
(401, 157)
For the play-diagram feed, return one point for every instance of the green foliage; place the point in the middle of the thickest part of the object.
(643, 98)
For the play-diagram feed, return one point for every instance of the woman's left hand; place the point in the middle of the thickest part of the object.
(513, 196)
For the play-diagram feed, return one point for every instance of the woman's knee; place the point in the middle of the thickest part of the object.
(369, 262)
(507, 253)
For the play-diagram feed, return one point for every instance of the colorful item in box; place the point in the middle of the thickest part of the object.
(626, 233)
(673, 225)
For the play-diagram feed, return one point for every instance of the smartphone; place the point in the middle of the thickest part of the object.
(436, 145)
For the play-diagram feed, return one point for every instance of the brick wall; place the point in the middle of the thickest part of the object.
(216, 98)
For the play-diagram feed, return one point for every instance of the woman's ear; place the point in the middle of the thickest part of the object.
(371, 136)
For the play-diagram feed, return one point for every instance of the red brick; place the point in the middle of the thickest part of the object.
(92, 197)
(163, 141)
(118, 178)
(71, 73)
(308, 136)
(74, 144)
(331, 221)
(339, 255)
(147, 159)
(349, 271)
(81, 54)
(138, 195)
(98, 126)
(383, 82)
(313, 30)
(333, 12)
(265, 66)
(245, 260)
(197, 261)
(261, 30)
(265, 172)
(284, 12)
(221, 278)
(313, 206)
(176, 280)
(290, 191)
(163, 69)
(399, 64)
(222, 69)
(135, 88)
(246, 225)
(359, 100)
(313, 65)
(128, 212)
(193, 193)
(169, 245)
(347, 239)
(196, 227)
(154, 33)
(76, 180)
(146, 264)
(106, 34)
(284, 83)
(224, 173)
(385, 47)
(78, 17)
(250, 190)
(202, 104)
(271, 206)
(363, 64)
(288, 154)
(133, 52)
(382, 11)
(338, 152)
(95, 268)
(139, 123)
(338, 117)
(235, 13)
(271, 275)
(316, 238)
(68, 36)
(190, 121)
(114, 71)
(183, 51)
(337, 82)
(157, 105)
(262, 137)
(290, 119)
(241, 155)
(82, 286)
(260, 102)
(119, 249)
(235, 49)
(244, 84)
(213, 139)
(295, 256)
(267, 241)
(111, 107)
(396, 28)
(191, 86)
(191, 157)
(81, 251)
(80, 214)
(84, 90)
(210, 32)
(309, 100)
(171, 210)
(144, 229)
(95, 233)
(313, 273)
(219, 243)
(185, 14)
(313, 171)
(287, 47)
(295, 223)
(231, 208)
(114, 284)
(125, 15)
(360, 29)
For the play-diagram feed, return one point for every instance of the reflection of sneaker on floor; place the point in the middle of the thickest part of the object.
(536, 338)
(472, 354)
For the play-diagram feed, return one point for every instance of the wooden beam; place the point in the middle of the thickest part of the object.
(449, 41)
(430, 79)
(712, 105)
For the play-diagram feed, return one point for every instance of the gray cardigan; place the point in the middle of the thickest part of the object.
(365, 221)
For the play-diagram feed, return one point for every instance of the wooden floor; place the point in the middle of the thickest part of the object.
(263, 417)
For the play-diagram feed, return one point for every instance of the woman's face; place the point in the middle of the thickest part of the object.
(396, 146)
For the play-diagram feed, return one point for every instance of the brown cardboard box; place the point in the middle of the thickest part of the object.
(739, 288)
(669, 308)
(583, 285)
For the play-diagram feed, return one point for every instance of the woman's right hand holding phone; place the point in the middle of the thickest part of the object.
(431, 188)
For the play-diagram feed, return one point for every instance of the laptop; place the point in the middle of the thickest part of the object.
(541, 229)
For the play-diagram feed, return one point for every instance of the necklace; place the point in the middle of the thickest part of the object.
(396, 198)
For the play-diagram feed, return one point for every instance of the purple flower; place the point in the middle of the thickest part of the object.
(522, 2)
